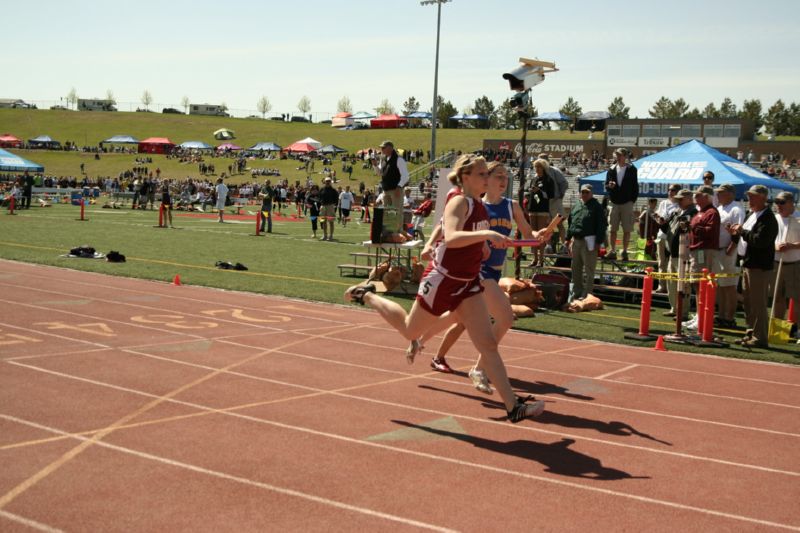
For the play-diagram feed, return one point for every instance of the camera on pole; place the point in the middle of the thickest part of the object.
(529, 74)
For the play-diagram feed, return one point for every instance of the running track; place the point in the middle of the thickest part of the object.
(157, 407)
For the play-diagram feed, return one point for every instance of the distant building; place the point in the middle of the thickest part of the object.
(6, 103)
(646, 136)
(94, 104)
(207, 109)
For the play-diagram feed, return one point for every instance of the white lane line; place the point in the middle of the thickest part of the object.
(351, 309)
(237, 479)
(30, 523)
(619, 371)
(440, 458)
(411, 376)
(413, 408)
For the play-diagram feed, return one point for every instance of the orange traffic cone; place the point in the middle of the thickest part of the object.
(177, 280)
(660, 344)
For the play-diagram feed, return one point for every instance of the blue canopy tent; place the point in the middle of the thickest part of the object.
(592, 120)
(121, 139)
(362, 115)
(685, 164)
(13, 163)
(419, 114)
(43, 141)
(265, 147)
(552, 116)
(196, 145)
(331, 149)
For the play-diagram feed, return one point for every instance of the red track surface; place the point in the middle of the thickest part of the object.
(156, 407)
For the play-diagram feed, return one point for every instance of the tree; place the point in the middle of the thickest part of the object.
(793, 119)
(110, 97)
(223, 107)
(572, 109)
(147, 99)
(263, 106)
(727, 109)
(679, 108)
(618, 109)
(484, 106)
(444, 110)
(777, 119)
(304, 105)
(751, 110)
(384, 108)
(410, 106)
(72, 97)
(710, 111)
(185, 103)
(695, 113)
(344, 105)
(662, 108)
(506, 116)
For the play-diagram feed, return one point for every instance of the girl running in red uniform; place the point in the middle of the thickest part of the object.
(503, 213)
(452, 280)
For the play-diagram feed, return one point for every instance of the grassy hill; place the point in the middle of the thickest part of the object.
(89, 128)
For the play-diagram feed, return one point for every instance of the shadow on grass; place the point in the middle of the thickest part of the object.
(556, 457)
(614, 427)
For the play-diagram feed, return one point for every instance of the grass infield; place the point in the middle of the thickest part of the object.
(287, 263)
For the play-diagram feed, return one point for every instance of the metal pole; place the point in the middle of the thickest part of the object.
(436, 82)
(521, 190)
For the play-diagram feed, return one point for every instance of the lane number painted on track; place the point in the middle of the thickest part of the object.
(100, 329)
(238, 314)
(7, 339)
(173, 321)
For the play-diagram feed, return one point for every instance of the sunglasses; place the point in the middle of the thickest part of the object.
(780, 202)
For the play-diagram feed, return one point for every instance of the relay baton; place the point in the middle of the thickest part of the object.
(519, 243)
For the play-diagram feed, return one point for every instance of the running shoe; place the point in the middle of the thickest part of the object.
(439, 364)
(523, 409)
(691, 324)
(480, 381)
(413, 349)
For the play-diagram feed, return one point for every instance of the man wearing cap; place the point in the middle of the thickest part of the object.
(703, 238)
(676, 225)
(622, 188)
(665, 208)
(787, 250)
(730, 213)
(394, 176)
(756, 245)
(328, 199)
(585, 233)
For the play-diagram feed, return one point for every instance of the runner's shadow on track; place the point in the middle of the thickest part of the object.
(557, 457)
(537, 387)
(621, 429)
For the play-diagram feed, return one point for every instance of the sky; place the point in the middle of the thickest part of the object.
(369, 50)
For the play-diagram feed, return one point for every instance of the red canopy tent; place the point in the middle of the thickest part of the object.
(300, 147)
(9, 141)
(388, 121)
(156, 145)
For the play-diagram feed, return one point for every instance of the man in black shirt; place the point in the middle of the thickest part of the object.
(622, 188)
(328, 198)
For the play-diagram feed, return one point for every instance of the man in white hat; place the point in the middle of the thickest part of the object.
(787, 248)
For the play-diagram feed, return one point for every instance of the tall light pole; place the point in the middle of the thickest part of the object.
(435, 72)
